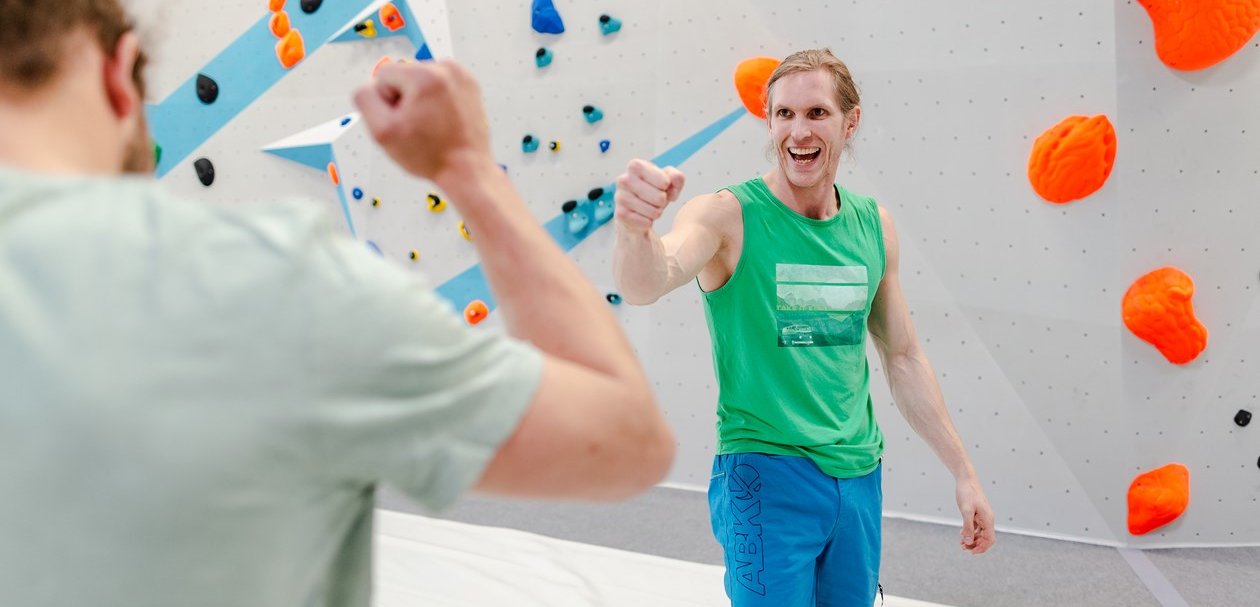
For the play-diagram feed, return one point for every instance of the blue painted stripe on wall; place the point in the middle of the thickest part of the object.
(245, 70)
(471, 283)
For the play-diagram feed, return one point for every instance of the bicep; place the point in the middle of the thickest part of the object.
(695, 239)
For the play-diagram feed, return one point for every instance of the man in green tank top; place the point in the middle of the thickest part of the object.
(795, 272)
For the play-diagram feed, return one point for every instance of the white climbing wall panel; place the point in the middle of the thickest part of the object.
(1017, 301)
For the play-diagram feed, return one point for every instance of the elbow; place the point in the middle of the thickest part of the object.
(648, 454)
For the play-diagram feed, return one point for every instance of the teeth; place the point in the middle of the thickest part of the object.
(803, 150)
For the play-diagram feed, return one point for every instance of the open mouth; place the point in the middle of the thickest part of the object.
(804, 156)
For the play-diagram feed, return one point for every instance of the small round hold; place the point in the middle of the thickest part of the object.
(569, 206)
(414, 255)
(554, 146)
(476, 311)
(357, 193)
(207, 89)
(592, 114)
(463, 231)
(205, 171)
(595, 194)
(345, 121)
(528, 139)
(436, 204)
(587, 109)
(376, 202)
(529, 144)
(604, 18)
(613, 298)
(543, 57)
(604, 145)
(1242, 418)
(310, 6)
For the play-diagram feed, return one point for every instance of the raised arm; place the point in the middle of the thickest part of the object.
(918, 395)
(647, 266)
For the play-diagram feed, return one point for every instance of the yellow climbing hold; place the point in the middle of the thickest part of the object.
(436, 204)
(463, 230)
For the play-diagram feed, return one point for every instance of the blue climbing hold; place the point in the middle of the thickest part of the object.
(577, 220)
(503, 166)
(604, 145)
(529, 144)
(357, 193)
(375, 249)
(592, 114)
(613, 298)
(424, 54)
(546, 19)
(345, 121)
(543, 57)
(609, 25)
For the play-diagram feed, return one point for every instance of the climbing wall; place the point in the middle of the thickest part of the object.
(1017, 300)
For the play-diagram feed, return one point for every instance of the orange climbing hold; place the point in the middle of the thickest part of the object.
(391, 17)
(1157, 308)
(275, 5)
(280, 24)
(290, 49)
(1072, 159)
(1196, 34)
(476, 311)
(1158, 497)
(751, 77)
(332, 173)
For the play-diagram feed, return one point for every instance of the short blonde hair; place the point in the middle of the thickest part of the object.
(818, 59)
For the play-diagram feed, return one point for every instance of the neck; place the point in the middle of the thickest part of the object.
(57, 131)
(815, 202)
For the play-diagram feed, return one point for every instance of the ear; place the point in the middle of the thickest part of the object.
(855, 117)
(121, 89)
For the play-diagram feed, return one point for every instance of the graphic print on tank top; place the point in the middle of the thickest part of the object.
(820, 305)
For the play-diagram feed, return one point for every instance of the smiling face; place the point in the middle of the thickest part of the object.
(808, 128)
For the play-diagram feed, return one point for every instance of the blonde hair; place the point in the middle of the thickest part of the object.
(818, 59)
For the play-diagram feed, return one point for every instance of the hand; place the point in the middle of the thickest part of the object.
(977, 531)
(643, 192)
(427, 116)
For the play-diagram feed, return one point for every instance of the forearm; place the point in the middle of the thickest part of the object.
(543, 296)
(918, 397)
(640, 266)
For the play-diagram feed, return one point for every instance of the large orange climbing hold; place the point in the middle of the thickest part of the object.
(476, 311)
(280, 24)
(275, 5)
(751, 77)
(1195, 34)
(1158, 497)
(1157, 308)
(1072, 159)
(290, 49)
(391, 17)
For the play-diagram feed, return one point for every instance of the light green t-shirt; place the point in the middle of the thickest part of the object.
(197, 402)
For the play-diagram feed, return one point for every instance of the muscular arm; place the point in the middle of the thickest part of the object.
(647, 266)
(918, 395)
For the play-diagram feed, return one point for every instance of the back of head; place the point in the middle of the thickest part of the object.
(33, 37)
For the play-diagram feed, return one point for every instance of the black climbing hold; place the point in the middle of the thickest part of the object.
(569, 206)
(310, 6)
(207, 89)
(587, 109)
(613, 298)
(358, 27)
(1243, 417)
(604, 18)
(540, 52)
(595, 194)
(205, 171)
(527, 139)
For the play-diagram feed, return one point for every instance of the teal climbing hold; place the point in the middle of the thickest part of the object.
(609, 25)
(543, 57)
(603, 201)
(529, 144)
(577, 219)
(592, 114)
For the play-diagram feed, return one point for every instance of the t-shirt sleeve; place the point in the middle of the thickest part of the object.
(406, 392)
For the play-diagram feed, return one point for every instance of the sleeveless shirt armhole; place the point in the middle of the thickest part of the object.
(883, 245)
(739, 265)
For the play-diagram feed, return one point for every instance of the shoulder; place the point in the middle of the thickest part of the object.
(715, 209)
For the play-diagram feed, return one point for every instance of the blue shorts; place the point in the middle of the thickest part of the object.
(793, 536)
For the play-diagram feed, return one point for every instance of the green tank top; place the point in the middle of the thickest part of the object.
(789, 334)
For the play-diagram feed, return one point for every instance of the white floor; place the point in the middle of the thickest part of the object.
(425, 562)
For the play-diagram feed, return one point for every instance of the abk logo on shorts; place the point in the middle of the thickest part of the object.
(745, 489)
